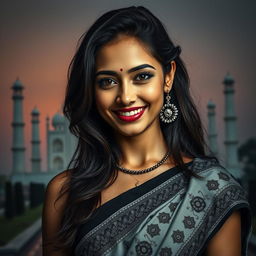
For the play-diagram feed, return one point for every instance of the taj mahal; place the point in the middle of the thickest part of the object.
(61, 143)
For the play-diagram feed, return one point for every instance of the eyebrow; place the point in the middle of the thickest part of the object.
(113, 73)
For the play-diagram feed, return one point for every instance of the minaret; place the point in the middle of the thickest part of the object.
(212, 134)
(48, 142)
(35, 142)
(18, 146)
(231, 142)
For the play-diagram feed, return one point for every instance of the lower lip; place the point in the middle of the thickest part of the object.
(130, 118)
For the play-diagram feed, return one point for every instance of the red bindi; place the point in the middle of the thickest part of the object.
(121, 69)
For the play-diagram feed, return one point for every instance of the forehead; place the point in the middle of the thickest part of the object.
(124, 52)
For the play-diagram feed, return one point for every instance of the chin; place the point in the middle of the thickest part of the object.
(130, 131)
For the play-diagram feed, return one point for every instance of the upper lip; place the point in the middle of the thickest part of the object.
(128, 109)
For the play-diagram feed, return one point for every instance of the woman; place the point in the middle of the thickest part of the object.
(140, 182)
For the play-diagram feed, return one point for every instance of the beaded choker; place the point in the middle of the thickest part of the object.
(137, 172)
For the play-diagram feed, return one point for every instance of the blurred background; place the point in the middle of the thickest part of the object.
(37, 42)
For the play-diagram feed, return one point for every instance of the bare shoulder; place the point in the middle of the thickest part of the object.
(54, 189)
(53, 210)
(227, 241)
(60, 177)
(58, 180)
(56, 184)
(187, 159)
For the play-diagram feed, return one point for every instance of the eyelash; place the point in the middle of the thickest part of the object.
(140, 74)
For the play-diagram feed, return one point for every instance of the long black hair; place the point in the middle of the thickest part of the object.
(93, 164)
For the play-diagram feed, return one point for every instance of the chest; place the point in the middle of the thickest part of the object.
(125, 182)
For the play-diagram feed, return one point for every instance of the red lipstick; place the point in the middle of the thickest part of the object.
(132, 117)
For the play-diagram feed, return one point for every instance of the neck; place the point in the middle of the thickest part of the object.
(142, 150)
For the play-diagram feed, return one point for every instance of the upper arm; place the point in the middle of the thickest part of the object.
(227, 241)
(53, 213)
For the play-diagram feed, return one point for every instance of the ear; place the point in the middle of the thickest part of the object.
(169, 77)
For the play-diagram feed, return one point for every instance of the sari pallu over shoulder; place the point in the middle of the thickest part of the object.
(167, 215)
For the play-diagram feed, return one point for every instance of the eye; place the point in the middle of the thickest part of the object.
(105, 82)
(144, 76)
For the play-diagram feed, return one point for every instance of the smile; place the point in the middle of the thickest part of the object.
(130, 116)
(131, 113)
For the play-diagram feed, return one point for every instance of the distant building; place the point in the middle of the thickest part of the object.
(231, 140)
(212, 133)
(18, 146)
(61, 143)
(36, 153)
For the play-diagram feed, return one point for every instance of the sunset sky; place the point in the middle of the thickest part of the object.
(38, 40)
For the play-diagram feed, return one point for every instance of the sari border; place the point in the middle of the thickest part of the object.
(136, 201)
(104, 212)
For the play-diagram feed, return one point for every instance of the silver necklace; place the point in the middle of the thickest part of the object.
(137, 172)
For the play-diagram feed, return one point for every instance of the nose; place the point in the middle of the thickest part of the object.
(126, 94)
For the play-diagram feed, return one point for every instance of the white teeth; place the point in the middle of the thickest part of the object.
(131, 113)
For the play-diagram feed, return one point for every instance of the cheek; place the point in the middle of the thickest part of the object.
(153, 94)
(103, 100)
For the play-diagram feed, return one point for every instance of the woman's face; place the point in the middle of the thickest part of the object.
(128, 76)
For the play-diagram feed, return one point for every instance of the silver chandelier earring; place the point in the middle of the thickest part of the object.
(169, 111)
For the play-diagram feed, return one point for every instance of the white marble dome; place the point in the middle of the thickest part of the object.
(58, 120)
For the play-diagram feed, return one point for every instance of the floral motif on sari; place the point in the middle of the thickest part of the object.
(177, 217)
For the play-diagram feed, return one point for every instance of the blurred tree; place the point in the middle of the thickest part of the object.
(3, 179)
(9, 201)
(19, 198)
(36, 194)
(247, 155)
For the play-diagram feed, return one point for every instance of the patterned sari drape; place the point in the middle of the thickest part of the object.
(167, 215)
